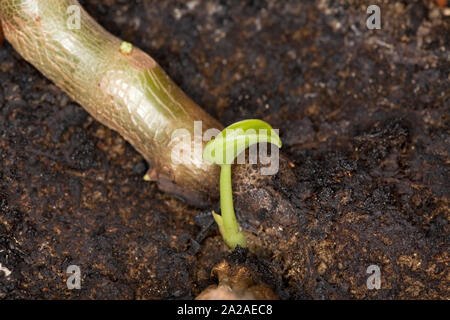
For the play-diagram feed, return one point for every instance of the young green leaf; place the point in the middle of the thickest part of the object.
(236, 138)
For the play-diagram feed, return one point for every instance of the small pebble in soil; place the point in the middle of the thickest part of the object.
(140, 168)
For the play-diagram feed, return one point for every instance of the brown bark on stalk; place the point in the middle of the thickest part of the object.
(128, 92)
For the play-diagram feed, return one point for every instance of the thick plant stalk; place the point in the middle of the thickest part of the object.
(125, 90)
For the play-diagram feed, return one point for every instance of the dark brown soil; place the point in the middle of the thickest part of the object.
(364, 116)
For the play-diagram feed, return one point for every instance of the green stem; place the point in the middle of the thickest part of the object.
(228, 225)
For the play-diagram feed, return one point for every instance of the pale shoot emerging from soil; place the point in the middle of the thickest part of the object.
(222, 151)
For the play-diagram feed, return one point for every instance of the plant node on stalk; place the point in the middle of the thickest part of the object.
(126, 48)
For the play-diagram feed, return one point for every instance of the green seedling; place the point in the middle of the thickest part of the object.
(222, 151)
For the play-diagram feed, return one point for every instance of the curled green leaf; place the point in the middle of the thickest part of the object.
(237, 137)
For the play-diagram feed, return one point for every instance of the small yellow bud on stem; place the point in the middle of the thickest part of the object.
(126, 48)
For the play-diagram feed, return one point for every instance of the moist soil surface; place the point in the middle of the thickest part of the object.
(363, 114)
